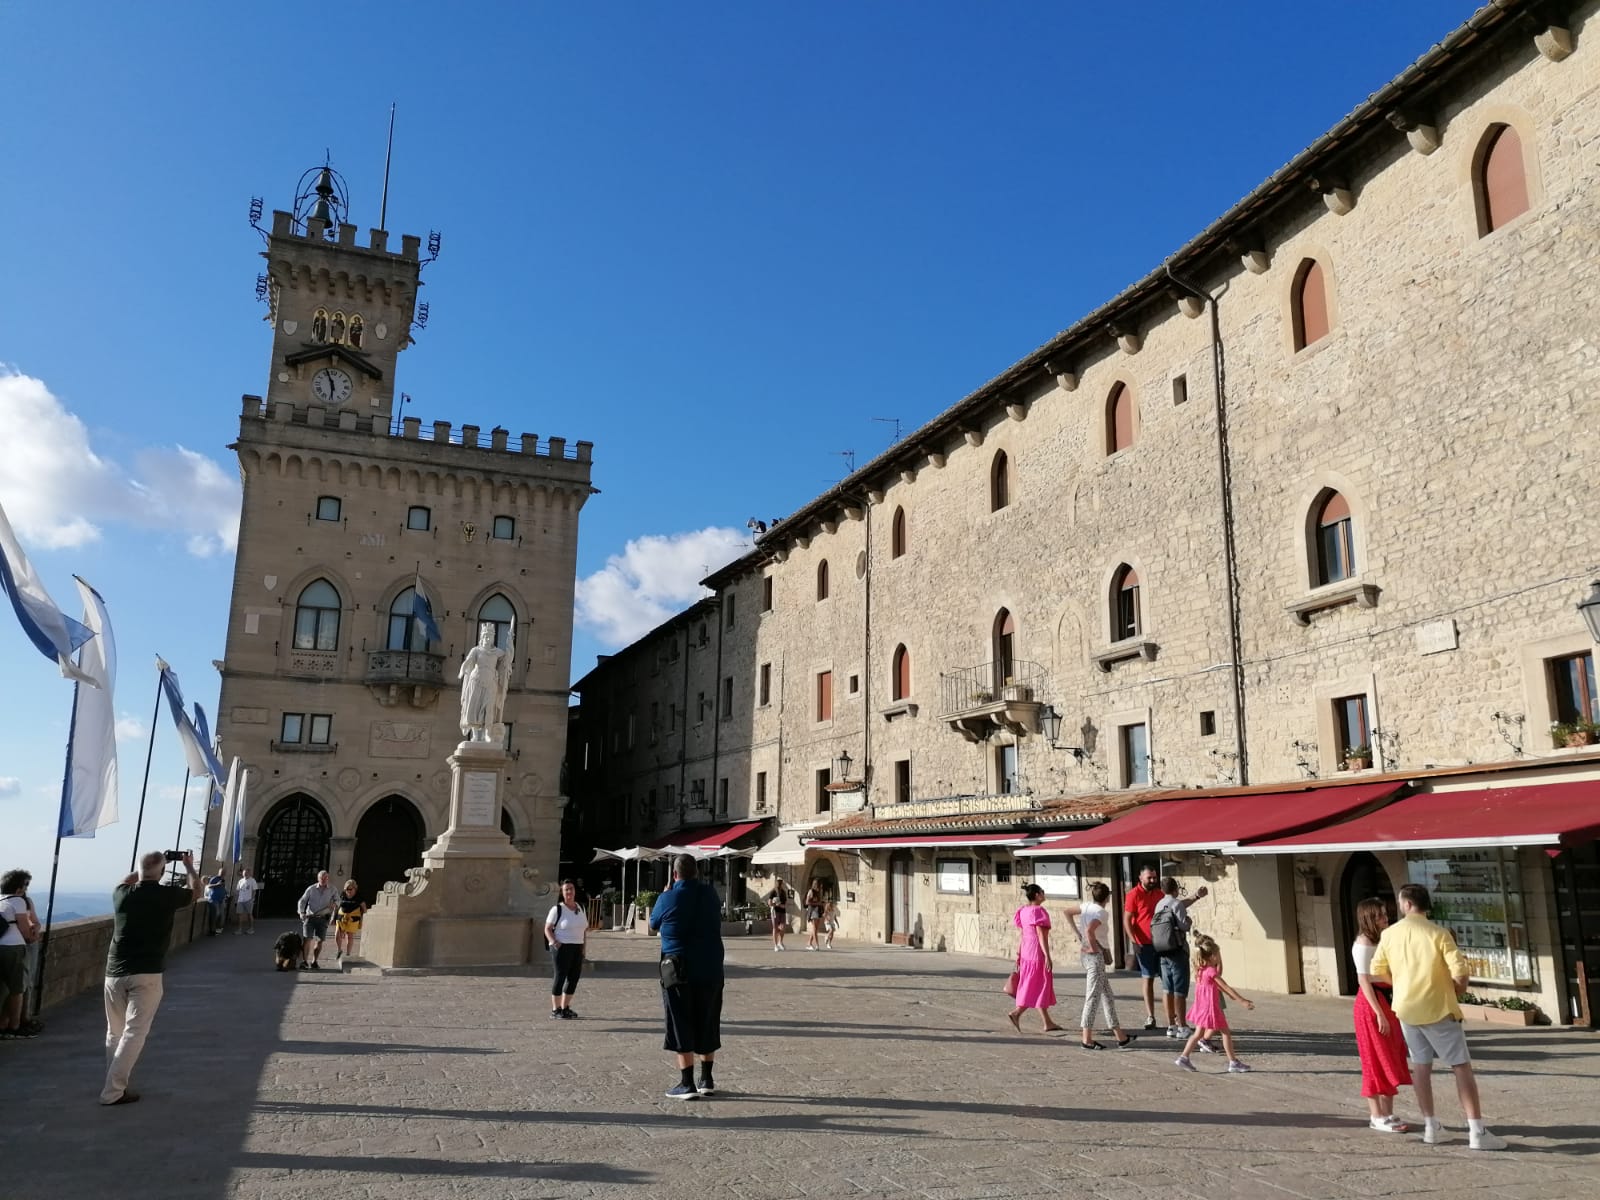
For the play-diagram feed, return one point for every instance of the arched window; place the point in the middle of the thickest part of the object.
(1005, 648)
(1501, 179)
(497, 611)
(999, 481)
(900, 686)
(405, 631)
(822, 580)
(1120, 418)
(1309, 304)
(1126, 614)
(897, 534)
(316, 617)
(1335, 539)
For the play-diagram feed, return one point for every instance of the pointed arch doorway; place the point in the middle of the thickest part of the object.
(296, 838)
(388, 842)
(1363, 878)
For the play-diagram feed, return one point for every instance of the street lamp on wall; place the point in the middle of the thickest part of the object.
(841, 767)
(1050, 726)
(1589, 609)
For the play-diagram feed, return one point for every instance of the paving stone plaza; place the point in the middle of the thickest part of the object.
(860, 1072)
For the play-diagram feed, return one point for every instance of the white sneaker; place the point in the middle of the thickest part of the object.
(1386, 1125)
(1176, 1031)
(1486, 1141)
(1432, 1132)
(775, 949)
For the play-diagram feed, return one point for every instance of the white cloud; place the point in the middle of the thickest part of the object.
(129, 728)
(653, 577)
(10, 785)
(58, 491)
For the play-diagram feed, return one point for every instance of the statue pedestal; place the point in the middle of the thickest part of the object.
(470, 903)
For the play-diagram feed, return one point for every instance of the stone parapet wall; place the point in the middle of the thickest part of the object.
(77, 956)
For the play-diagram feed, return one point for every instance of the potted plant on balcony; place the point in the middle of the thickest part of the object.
(980, 696)
(1572, 734)
(1358, 758)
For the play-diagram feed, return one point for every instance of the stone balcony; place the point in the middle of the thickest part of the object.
(411, 677)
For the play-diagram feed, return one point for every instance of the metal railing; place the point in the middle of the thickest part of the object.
(405, 666)
(969, 688)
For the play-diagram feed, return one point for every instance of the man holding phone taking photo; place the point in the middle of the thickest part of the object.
(140, 936)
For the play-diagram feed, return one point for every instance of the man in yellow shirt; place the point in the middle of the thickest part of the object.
(1422, 961)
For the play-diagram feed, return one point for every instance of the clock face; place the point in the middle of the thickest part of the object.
(331, 385)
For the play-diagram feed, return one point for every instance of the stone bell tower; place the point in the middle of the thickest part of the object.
(373, 552)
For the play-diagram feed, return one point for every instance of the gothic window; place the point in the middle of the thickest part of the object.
(897, 534)
(1120, 418)
(1500, 181)
(405, 631)
(901, 684)
(822, 580)
(1005, 647)
(497, 611)
(1126, 617)
(1335, 539)
(1309, 305)
(357, 331)
(999, 481)
(319, 325)
(316, 617)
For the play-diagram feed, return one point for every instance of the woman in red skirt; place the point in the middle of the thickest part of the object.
(1378, 1037)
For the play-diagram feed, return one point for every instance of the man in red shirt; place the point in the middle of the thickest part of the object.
(1137, 909)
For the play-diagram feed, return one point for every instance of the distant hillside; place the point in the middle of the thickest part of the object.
(74, 906)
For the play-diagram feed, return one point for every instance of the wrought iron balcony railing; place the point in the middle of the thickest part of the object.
(978, 701)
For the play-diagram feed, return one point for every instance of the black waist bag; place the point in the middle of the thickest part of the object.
(672, 971)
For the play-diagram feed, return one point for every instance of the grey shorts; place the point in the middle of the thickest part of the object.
(1444, 1040)
(314, 927)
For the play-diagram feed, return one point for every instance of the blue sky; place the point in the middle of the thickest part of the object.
(717, 240)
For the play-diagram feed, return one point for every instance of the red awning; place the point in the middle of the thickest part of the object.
(1211, 822)
(908, 841)
(707, 835)
(1555, 814)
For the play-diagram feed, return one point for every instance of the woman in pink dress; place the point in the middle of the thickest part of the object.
(1036, 987)
(1378, 1038)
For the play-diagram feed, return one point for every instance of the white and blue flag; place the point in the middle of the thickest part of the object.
(56, 635)
(203, 728)
(422, 612)
(89, 787)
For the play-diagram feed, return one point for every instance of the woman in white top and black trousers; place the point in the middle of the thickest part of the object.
(565, 929)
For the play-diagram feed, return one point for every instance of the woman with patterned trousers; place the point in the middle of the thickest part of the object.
(1090, 924)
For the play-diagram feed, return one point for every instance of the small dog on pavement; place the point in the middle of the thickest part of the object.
(286, 951)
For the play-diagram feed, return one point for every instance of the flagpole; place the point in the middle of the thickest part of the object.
(149, 752)
(55, 862)
(183, 806)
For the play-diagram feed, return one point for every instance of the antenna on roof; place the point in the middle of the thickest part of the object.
(388, 157)
(849, 457)
(895, 421)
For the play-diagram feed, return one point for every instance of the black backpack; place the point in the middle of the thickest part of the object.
(1166, 935)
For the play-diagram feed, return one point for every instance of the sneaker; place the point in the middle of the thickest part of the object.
(1183, 1061)
(1432, 1132)
(1184, 1030)
(775, 949)
(568, 1015)
(683, 1091)
(338, 955)
(1175, 1031)
(1486, 1141)
(707, 1087)
(1206, 1046)
(1386, 1125)
(1396, 1122)
(1235, 1067)
(555, 1014)
(1149, 1022)
(314, 965)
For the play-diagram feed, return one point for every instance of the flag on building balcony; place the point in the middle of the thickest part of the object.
(56, 635)
(422, 612)
(89, 784)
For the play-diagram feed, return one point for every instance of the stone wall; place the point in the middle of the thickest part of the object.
(77, 957)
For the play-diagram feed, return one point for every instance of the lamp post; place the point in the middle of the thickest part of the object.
(841, 766)
(1589, 609)
(1050, 726)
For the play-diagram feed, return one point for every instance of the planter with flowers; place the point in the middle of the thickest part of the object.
(1573, 734)
(1508, 1010)
(1358, 758)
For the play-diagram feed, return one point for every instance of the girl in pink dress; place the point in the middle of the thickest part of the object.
(1205, 1011)
(1036, 987)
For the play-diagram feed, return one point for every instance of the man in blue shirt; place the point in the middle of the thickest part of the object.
(689, 918)
(216, 902)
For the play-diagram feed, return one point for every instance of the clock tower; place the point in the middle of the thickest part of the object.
(340, 312)
(373, 553)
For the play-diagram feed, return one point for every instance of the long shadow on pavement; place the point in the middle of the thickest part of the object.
(217, 1025)
(567, 1172)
